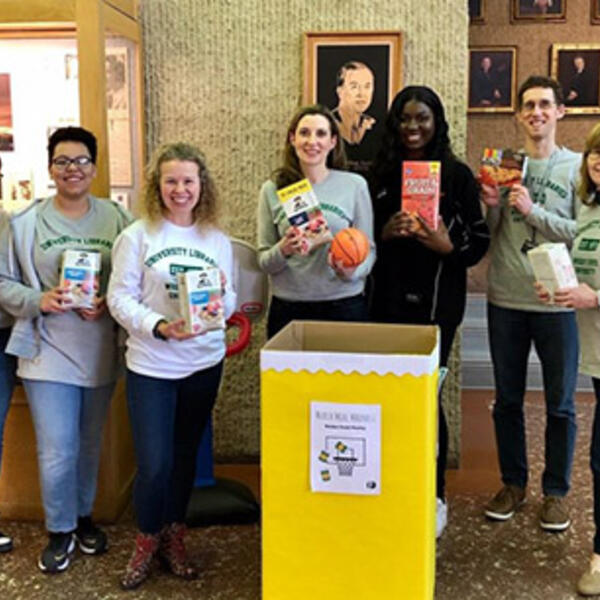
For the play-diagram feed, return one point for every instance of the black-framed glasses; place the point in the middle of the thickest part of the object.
(63, 162)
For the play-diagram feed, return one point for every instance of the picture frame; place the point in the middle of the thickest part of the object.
(577, 68)
(476, 12)
(7, 142)
(492, 79)
(595, 12)
(538, 10)
(356, 75)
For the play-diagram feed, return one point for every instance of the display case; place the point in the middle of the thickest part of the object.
(73, 62)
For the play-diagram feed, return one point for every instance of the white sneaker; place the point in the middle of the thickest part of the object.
(441, 517)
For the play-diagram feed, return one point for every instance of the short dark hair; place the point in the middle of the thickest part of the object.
(541, 81)
(73, 134)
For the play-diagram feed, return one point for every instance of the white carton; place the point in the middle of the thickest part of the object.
(80, 272)
(552, 266)
(200, 300)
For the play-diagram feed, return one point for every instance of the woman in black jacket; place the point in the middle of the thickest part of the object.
(420, 273)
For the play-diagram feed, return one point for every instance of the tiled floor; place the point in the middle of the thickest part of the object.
(476, 559)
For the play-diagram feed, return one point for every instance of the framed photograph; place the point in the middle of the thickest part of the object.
(492, 79)
(357, 75)
(476, 11)
(595, 8)
(577, 68)
(538, 10)
(6, 123)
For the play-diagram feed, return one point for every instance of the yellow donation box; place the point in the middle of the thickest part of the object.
(348, 461)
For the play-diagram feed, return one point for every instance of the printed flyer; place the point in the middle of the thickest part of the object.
(345, 448)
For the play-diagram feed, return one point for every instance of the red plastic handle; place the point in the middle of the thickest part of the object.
(241, 321)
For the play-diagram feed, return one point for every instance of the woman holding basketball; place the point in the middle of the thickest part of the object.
(420, 275)
(313, 286)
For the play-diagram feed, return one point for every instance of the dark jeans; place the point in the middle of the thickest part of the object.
(595, 464)
(281, 312)
(554, 336)
(168, 418)
(8, 366)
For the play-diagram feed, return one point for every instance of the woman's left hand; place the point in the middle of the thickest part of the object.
(93, 314)
(437, 240)
(340, 270)
(582, 296)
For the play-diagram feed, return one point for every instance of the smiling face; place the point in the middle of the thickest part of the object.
(417, 128)
(180, 189)
(356, 93)
(312, 140)
(539, 113)
(73, 181)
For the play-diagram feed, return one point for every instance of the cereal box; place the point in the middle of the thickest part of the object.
(502, 167)
(421, 190)
(303, 211)
(200, 300)
(552, 266)
(80, 272)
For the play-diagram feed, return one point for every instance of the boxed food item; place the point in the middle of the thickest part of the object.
(502, 167)
(80, 272)
(552, 266)
(304, 212)
(200, 300)
(421, 190)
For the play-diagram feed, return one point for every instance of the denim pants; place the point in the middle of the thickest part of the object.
(281, 312)
(595, 464)
(8, 365)
(68, 421)
(554, 336)
(168, 418)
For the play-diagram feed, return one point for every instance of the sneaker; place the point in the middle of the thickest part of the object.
(504, 504)
(90, 538)
(441, 517)
(6, 543)
(57, 554)
(589, 582)
(554, 515)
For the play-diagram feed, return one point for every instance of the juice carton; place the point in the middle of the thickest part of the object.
(80, 272)
(552, 266)
(502, 167)
(421, 190)
(303, 212)
(200, 300)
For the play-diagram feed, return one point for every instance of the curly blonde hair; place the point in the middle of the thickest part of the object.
(206, 211)
(586, 186)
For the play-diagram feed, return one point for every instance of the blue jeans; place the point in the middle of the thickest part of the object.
(554, 336)
(8, 365)
(68, 421)
(168, 418)
(595, 464)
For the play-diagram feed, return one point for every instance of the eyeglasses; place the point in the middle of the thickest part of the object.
(530, 106)
(63, 162)
(594, 154)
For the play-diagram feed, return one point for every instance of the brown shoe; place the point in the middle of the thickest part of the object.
(554, 515)
(504, 504)
(172, 552)
(138, 568)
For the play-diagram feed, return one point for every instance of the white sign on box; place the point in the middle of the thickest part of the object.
(345, 448)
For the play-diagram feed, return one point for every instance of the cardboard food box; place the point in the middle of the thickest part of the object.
(369, 382)
(80, 272)
(421, 190)
(200, 300)
(552, 266)
(304, 212)
(502, 167)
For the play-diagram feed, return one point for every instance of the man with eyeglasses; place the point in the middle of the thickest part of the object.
(541, 209)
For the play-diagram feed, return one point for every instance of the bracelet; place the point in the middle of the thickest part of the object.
(155, 331)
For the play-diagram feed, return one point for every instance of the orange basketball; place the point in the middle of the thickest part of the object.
(349, 247)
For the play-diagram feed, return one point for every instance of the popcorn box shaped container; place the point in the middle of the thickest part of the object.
(303, 211)
(421, 190)
(552, 266)
(80, 272)
(385, 543)
(200, 300)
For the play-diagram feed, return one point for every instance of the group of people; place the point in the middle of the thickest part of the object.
(68, 358)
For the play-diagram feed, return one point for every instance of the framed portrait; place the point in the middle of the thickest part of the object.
(476, 11)
(492, 79)
(595, 8)
(356, 75)
(538, 10)
(577, 68)
(6, 121)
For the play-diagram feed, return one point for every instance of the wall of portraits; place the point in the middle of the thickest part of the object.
(228, 76)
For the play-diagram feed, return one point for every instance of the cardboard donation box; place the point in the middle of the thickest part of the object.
(348, 446)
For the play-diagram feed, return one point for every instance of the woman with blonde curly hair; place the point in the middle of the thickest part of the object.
(172, 376)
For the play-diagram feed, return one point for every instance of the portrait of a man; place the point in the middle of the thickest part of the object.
(577, 69)
(491, 79)
(539, 9)
(476, 11)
